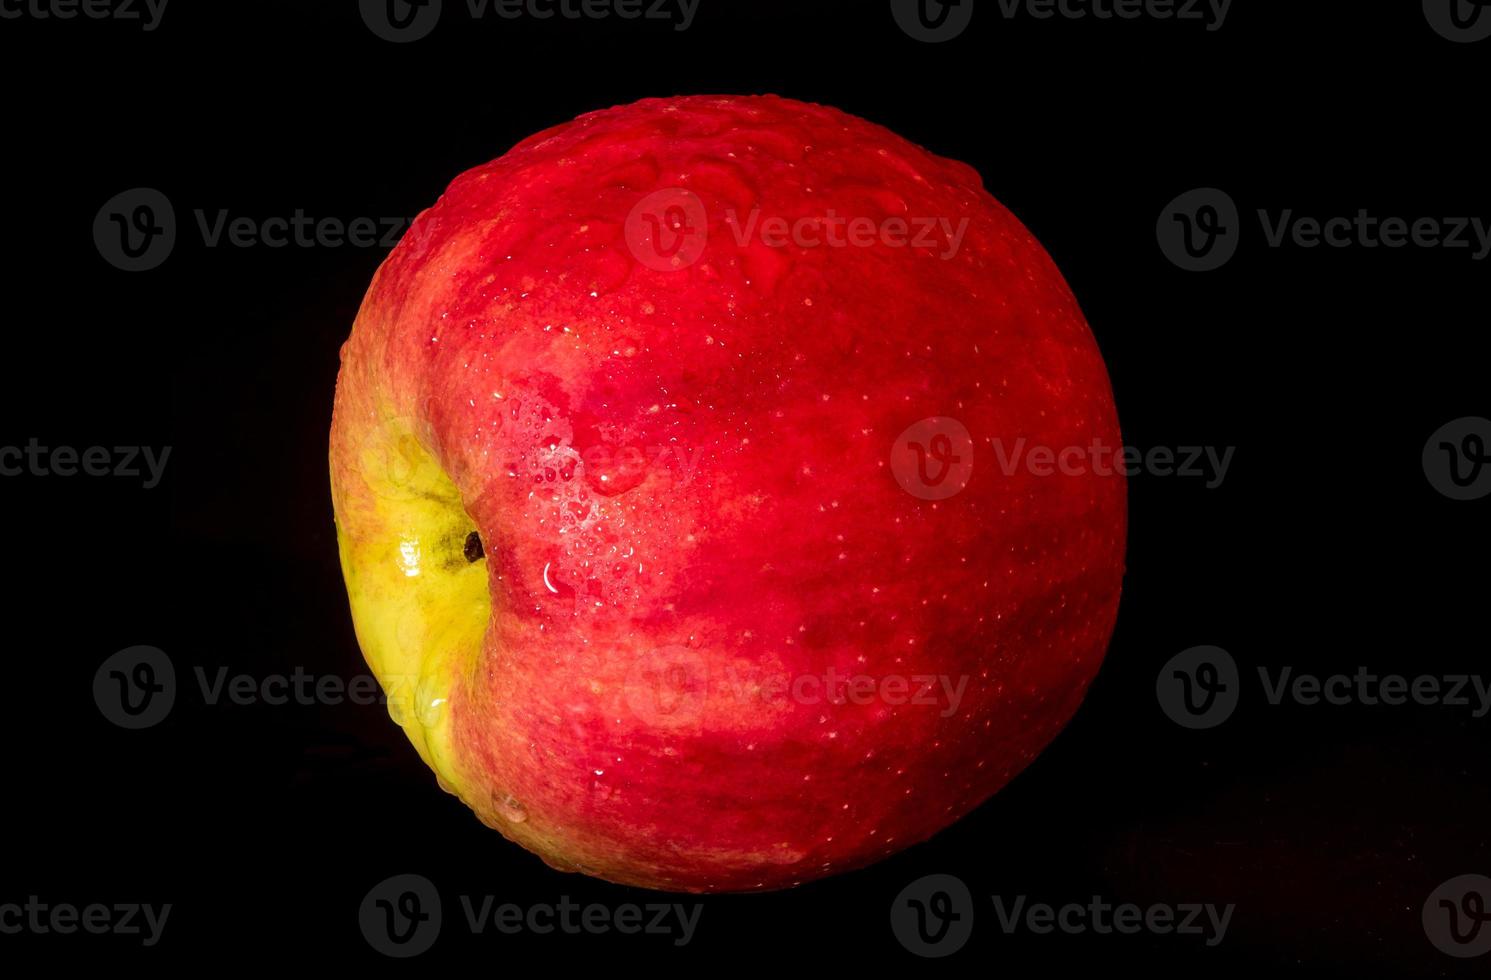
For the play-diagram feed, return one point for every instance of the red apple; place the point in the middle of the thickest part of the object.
(675, 470)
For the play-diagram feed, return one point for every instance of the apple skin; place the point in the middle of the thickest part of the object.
(636, 681)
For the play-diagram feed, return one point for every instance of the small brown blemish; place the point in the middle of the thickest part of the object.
(473, 550)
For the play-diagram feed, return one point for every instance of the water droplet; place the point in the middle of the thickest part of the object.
(510, 808)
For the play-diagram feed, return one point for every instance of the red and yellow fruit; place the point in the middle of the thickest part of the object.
(695, 653)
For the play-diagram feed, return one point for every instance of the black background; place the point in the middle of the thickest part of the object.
(1325, 549)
